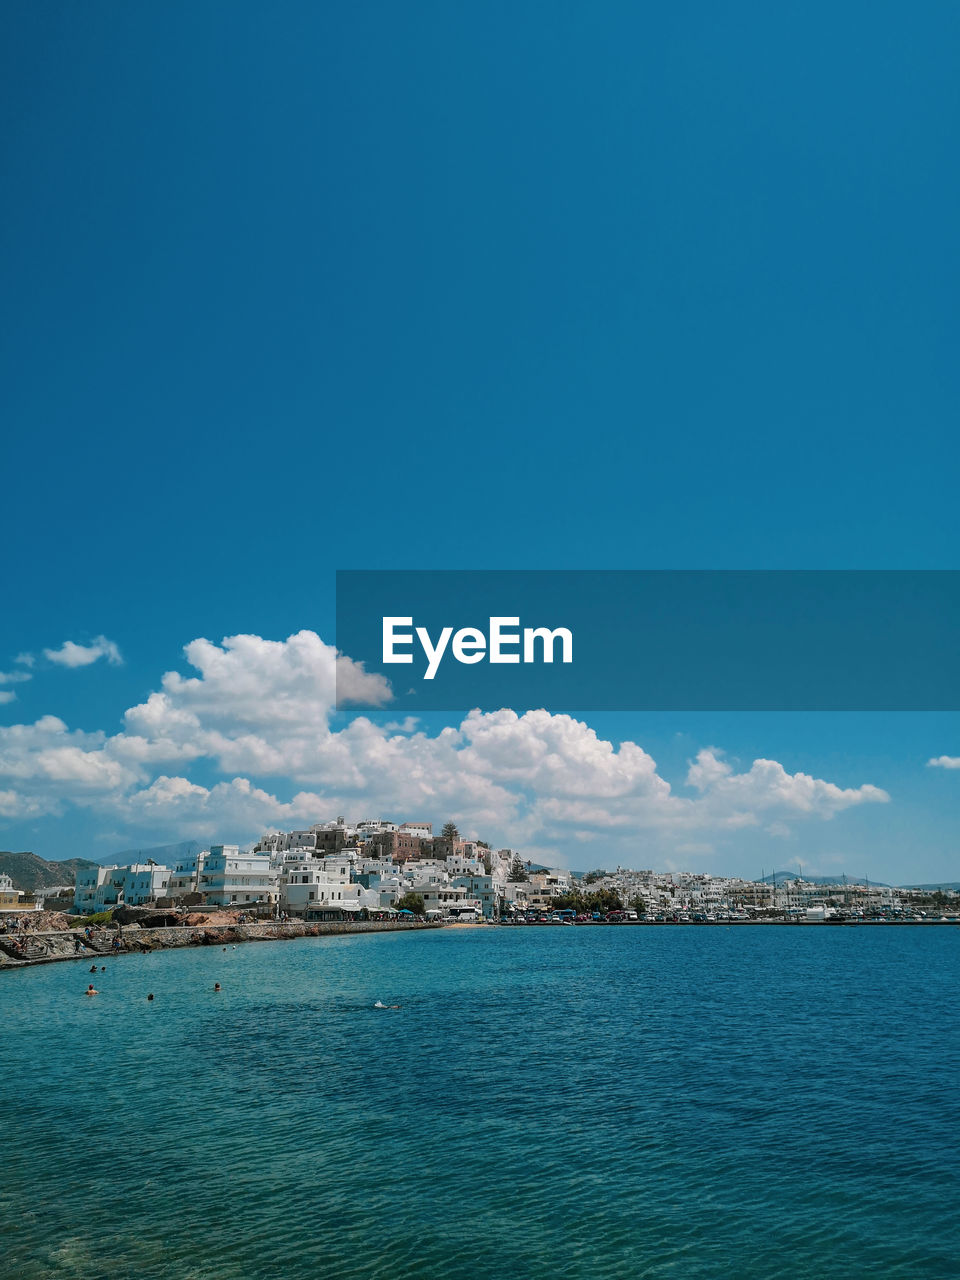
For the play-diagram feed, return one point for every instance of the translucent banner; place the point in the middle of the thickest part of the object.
(636, 640)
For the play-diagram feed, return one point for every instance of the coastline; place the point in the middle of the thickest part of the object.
(51, 946)
(54, 945)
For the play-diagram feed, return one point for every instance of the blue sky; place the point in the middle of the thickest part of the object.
(466, 286)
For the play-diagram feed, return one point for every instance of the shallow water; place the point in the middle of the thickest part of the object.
(671, 1102)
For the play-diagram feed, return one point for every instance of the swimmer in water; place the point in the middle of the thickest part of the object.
(93, 968)
(91, 991)
(150, 996)
(381, 1005)
(216, 986)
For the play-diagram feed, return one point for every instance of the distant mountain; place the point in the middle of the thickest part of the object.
(778, 877)
(166, 854)
(932, 888)
(30, 872)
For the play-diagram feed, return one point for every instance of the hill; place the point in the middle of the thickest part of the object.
(166, 854)
(30, 872)
(781, 876)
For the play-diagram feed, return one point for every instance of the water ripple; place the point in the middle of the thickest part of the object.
(671, 1104)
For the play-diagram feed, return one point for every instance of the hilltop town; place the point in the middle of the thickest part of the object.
(338, 870)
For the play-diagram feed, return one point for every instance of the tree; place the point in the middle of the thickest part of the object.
(487, 862)
(518, 871)
(639, 905)
(568, 902)
(412, 902)
(593, 876)
(602, 900)
(450, 832)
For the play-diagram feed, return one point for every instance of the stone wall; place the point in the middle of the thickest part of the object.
(42, 948)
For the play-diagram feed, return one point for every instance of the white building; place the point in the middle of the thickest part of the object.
(480, 889)
(100, 888)
(185, 876)
(422, 829)
(544, 886)
(308, 884)
(231, 878)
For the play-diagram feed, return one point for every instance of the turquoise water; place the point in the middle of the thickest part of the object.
(670, 1102)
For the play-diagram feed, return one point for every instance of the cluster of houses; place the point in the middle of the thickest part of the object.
(330, 871)
(334, 870)
(657, 893)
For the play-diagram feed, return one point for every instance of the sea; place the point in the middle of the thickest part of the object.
(669, 1102)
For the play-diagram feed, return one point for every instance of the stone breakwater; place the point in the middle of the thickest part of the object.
(46, 947)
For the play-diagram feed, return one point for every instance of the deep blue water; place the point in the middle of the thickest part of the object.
(671, 1102)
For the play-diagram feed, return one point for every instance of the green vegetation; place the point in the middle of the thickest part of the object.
(593, 876)
(99, 918)
(412, 902)
(450, 832)
(600, 900)
(518, 871)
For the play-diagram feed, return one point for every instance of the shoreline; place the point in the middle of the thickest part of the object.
(723, 924)
(53, 946)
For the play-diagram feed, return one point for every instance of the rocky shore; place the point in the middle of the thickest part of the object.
(46, 946)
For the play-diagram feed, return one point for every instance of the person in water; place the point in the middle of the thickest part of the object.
(91, 990)
(216, 986)
(150, 996)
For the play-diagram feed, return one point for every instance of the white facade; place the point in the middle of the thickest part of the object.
(231, 878)
(99, 888)
(323, 882)
(480, 889)
(185, 876)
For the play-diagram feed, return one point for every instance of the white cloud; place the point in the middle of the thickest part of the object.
(7, 695)
(767, 785)
(229, 810)
(25, 659)
(82, 655)
(944, 762)
(261, 709)
(778, 829)
(15, 805)
(14, 677)
(52, 765)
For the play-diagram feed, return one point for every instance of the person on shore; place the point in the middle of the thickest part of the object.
(91, 990)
